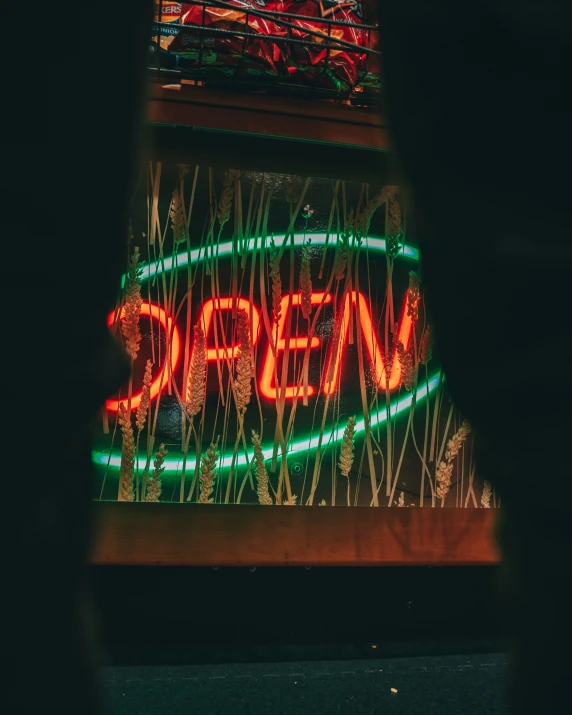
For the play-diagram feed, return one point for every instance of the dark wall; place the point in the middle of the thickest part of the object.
(181, 615)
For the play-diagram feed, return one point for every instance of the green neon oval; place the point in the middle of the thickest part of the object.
(299, 446)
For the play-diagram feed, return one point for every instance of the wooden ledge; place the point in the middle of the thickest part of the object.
(197, 535)
(265, 115)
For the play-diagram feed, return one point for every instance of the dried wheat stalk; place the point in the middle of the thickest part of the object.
(486, 495)
(132, 308)
(154, 481)
(445, 469)
(183, 170)
(125, 491)
(292, 190)
(347, 450)
(391, 353)
(347, 453)
(323, 503)
(407, 362)
(143, 407)
(401, 501)
(178, 223)
(343, 248)
(426, 346)
(208, 474)
(226, 196)
(262, 480)
(243, 382)
(276, 281)
(197, 384)
(306, 281)
(363, 219)
(413, 294)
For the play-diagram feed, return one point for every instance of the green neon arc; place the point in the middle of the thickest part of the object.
(197, 255)
(306, 444)
(296, 447)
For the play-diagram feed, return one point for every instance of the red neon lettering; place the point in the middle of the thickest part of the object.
(372, 345)
(300, 343)
(156, 313)
(206, 312)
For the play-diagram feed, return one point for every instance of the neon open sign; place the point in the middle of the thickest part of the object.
(352, 305)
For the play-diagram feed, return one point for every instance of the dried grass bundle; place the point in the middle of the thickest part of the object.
(132, 308)
(154, 482)
(413, 294)
(445, 468)
(347, 450)
(294, 501)
(276, 281)
(243, 382)
(306, 282)
(208, 474)
(226, 196)
(178, 223)
(486, 495)
(126, 492)
(426, 346)
(143, 407)
(262, 480)
(197, 385)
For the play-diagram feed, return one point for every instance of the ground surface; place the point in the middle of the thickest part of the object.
(443, 685)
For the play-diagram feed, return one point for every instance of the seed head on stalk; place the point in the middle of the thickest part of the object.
(426, 346)
(413, 294)
(292, 189)
(126, 470)
(343, 247)
(486, 495)
(445, 468)
(306, 282)
(132, 308)
(262, 480)
(347, 451)
(226, 196)
(197, 385)
(243, 382)
(154, 481)
(394, 226)
(143, 407)
(208, 474)
(407, 362)
(276, 281)
(363, 220)
(183, 170)
(392, 354)
(180, 233)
